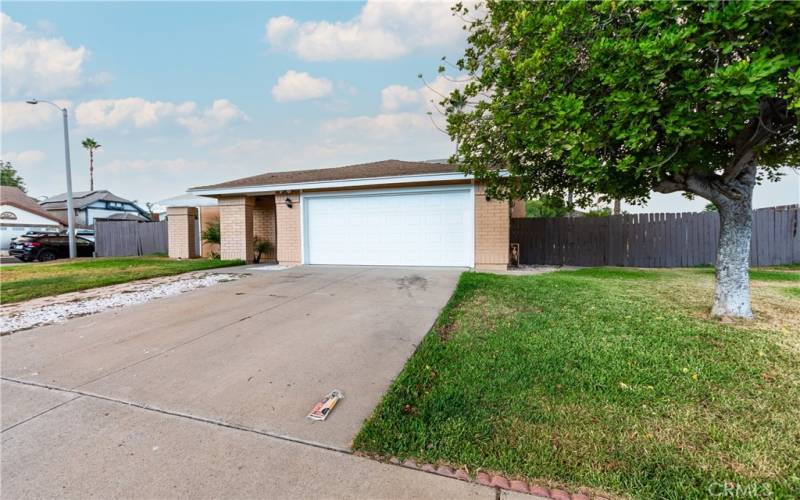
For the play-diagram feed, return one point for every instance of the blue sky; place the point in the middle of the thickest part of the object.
(183, 94)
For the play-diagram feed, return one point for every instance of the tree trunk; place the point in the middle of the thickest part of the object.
(91, 170)
(732, 292)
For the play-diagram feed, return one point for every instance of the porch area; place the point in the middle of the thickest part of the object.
(244, 221)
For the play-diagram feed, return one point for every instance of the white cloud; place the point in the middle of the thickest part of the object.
(382, 30)
(426, 97)
(34, 64)
(129, 111)
(221, 113)
(387, 126)
(279, 31)
(140, 113)
(404, 117)
(396, 97)
(178, 165)
(28, 158)
(294, 86)
(19, 115)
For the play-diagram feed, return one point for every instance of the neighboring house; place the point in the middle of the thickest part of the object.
(91, 205)
(207, 212)
(384, 213)
(20, 213)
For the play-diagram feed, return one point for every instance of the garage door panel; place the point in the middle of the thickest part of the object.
(394, 228)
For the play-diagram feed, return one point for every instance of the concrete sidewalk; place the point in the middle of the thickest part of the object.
(57, 444)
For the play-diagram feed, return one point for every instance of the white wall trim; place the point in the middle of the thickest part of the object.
(301, 199)
(298, 186)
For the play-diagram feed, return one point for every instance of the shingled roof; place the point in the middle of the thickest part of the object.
(385, 168)
(15, 197)
(80, 199)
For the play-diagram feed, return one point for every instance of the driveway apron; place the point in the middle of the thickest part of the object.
(254, 353)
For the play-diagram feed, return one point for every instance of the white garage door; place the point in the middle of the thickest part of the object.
(402, 228)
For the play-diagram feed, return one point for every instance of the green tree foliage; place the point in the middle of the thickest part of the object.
(547, 206)
(212, 234)
(10, 177)
(619, 99)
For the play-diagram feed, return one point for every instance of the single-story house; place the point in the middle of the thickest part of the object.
(383, 213)
(207, 213)
(91, 205)
(19, 213)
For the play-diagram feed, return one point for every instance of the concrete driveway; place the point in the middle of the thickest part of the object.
(206, 393)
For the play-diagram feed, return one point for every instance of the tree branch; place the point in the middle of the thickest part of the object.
(669, 186)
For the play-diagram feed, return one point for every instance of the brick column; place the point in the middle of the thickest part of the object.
(236, 228)
(181, 229)
(519, 209)
(492, 226)
(288, 229)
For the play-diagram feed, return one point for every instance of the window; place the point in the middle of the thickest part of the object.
(8, 216)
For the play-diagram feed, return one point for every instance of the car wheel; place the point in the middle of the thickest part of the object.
(46, 255)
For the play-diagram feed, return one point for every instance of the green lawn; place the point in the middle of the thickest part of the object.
(29, 281)
(610, 379)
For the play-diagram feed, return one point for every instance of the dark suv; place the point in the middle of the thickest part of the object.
(47, 246)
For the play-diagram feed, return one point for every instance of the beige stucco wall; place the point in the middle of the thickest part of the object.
(288, 229)
(181, 228)
(236, 227)
(492, 225)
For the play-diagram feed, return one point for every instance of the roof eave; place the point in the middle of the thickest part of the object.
(331, 184)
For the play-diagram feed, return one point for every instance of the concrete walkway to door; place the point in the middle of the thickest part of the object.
(205, 394)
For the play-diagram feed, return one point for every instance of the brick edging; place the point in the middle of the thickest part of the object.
(494, 481)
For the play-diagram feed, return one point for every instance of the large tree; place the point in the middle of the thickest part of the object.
(619, 99)
(10, 177)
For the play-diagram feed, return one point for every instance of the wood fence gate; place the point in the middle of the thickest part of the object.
(652, 240)
(121, 238)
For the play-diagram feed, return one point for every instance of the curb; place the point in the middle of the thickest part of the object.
(494, 481)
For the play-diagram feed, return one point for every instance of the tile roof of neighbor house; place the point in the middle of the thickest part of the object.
(80, 199)
(13, 196)
(385, 168)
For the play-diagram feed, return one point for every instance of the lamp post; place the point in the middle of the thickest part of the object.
(70, 210)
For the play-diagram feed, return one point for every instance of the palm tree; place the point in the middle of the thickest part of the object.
(91, 145)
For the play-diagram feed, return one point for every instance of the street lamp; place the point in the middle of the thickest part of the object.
(70, 211)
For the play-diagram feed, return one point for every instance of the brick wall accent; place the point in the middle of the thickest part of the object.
(492, 224)
(208, 215)
(264, 224)
(288, 229)
(236, 227)
(518, 209)
(181, 228)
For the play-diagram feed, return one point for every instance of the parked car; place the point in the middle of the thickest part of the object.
(85, 233)
(48, 246)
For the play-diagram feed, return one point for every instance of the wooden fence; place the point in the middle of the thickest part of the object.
(121, 238)
(652, 240)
